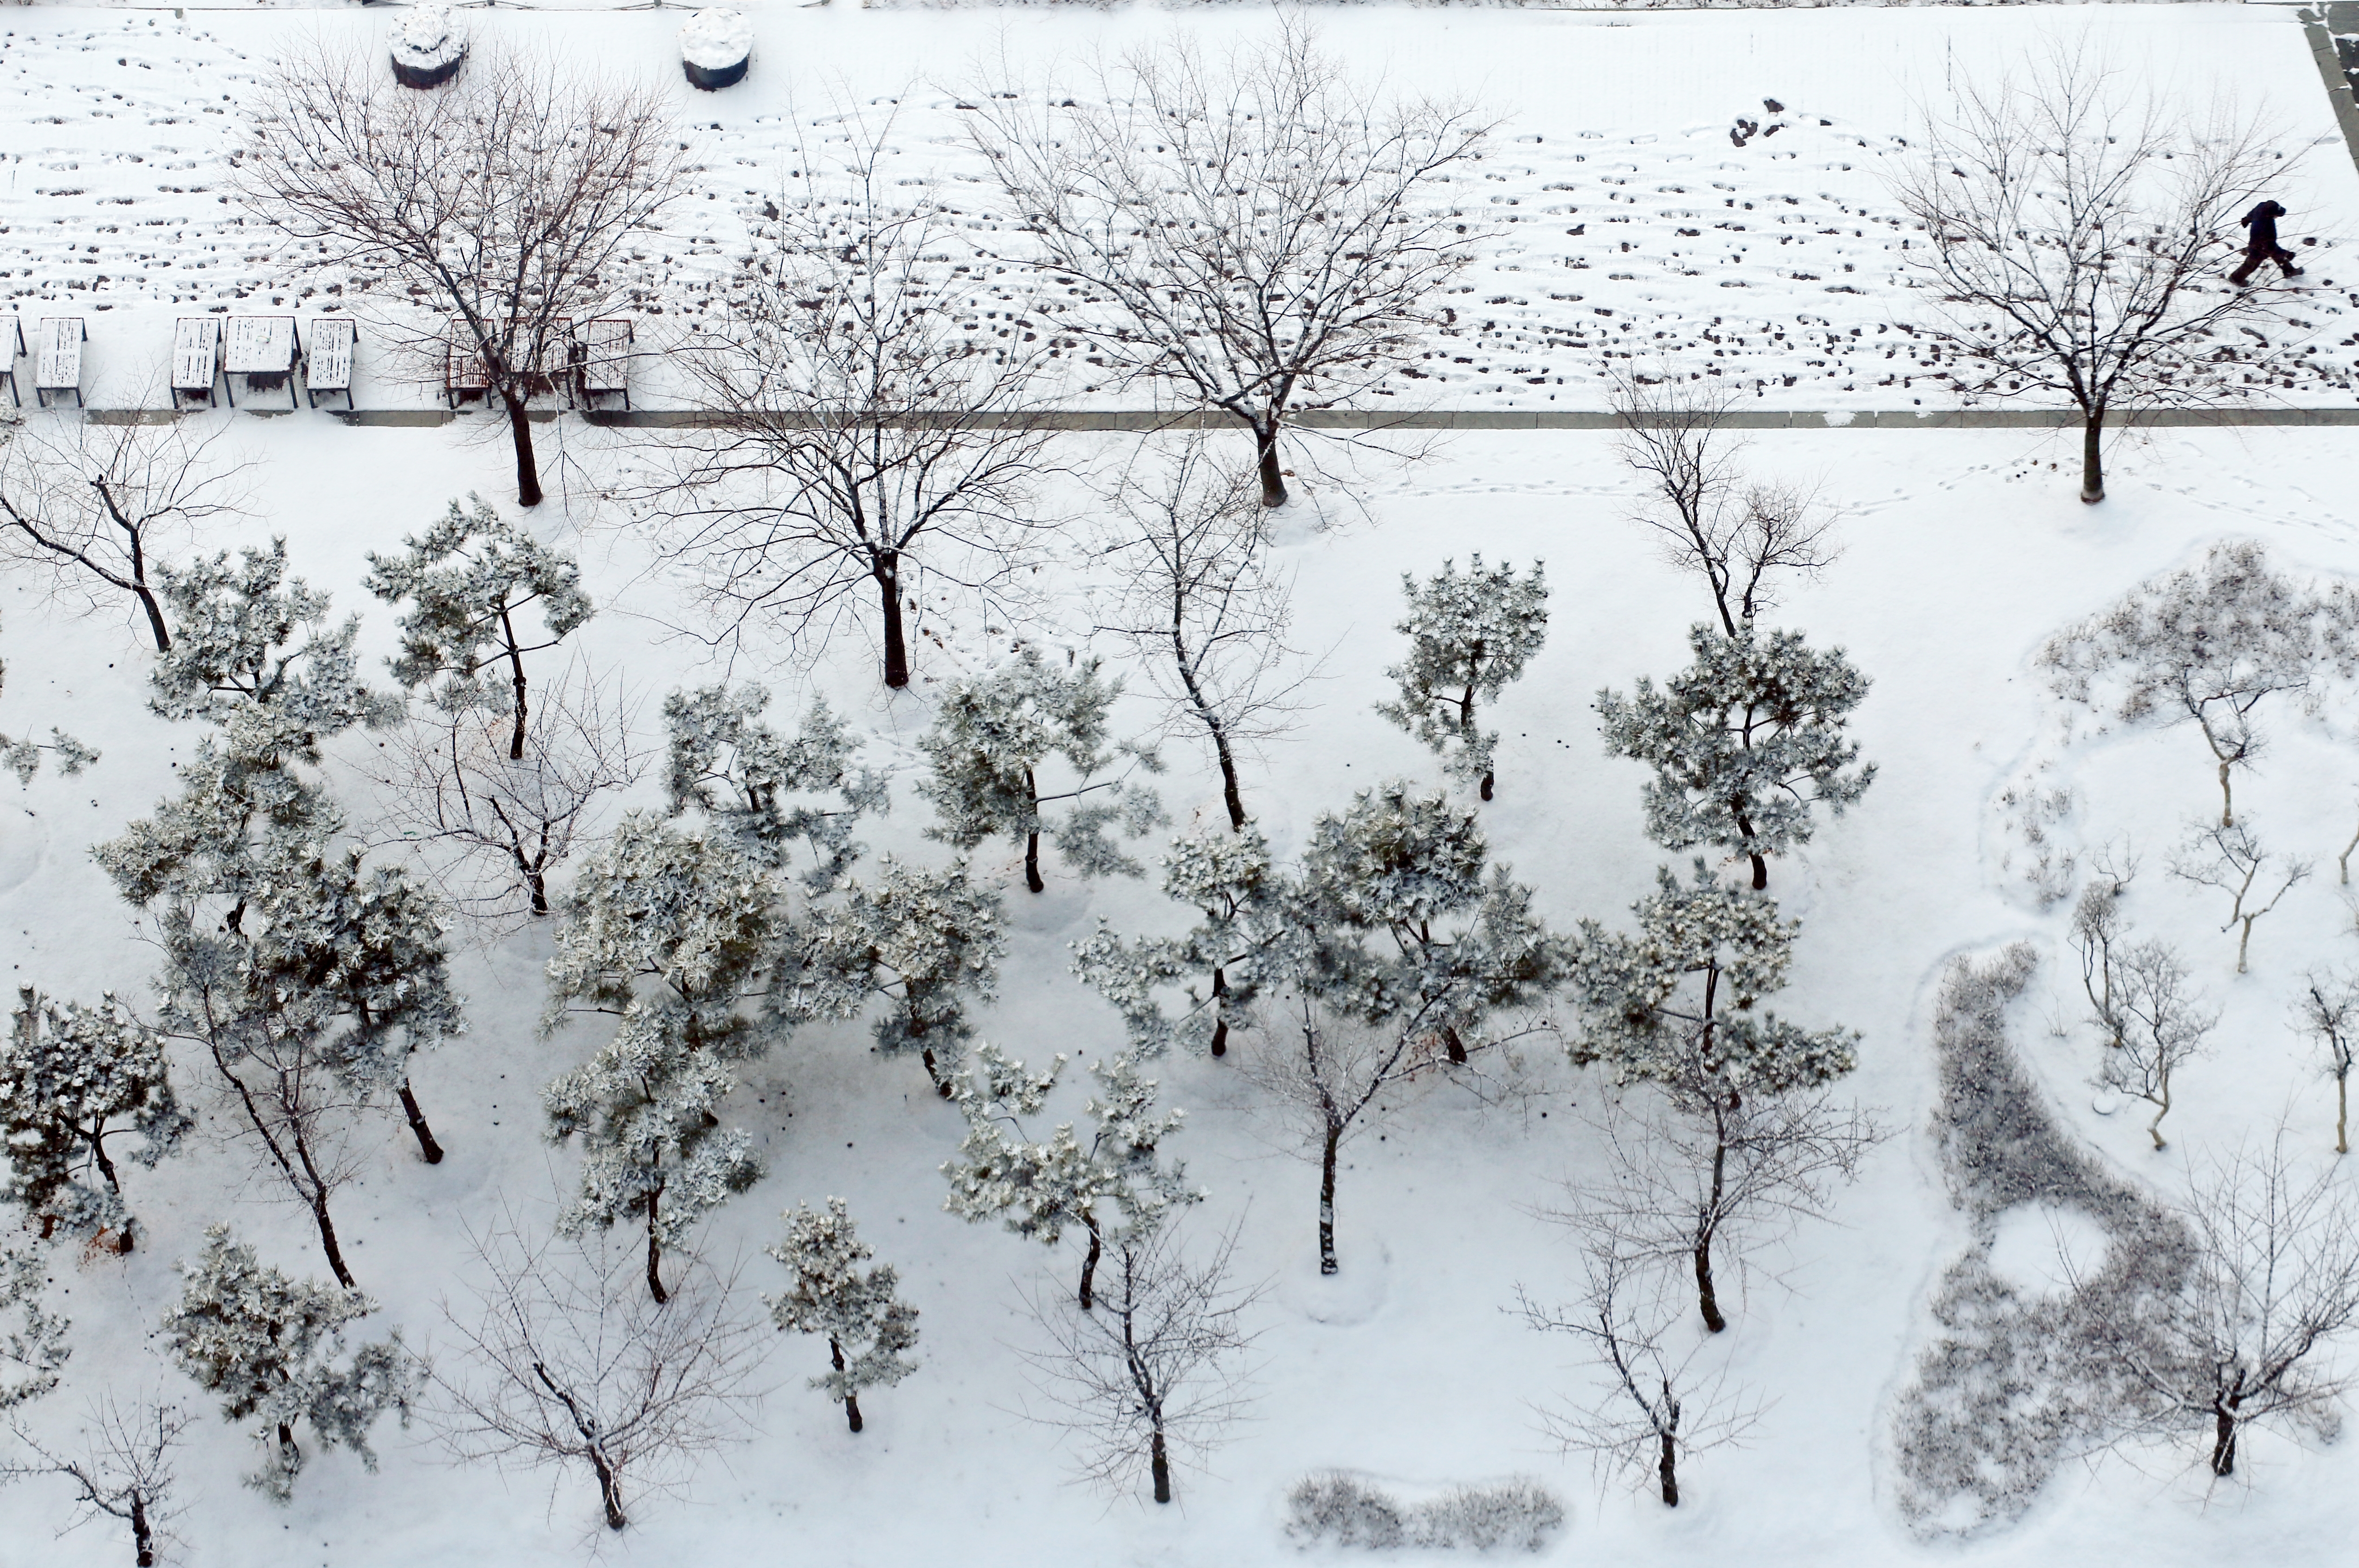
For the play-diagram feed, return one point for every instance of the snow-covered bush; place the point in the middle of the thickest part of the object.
(68, 1074)
(1469, 633)
(1518, 1514)
(866, 1325)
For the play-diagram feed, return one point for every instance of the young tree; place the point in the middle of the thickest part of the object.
(492, 828)
(1037, 1187)
(94, 508)
(1738, 537)
(23, 757)
(2141, 1002)
(1204, 607)
(2250, 1337)
(761, 789)
(68, 1074)
(1154, 1377)
(468, 578)
(33, 1345)
(867, 431)
(1469, 636)
(1227, 878)
(565, 1362)
(2231, 858)
(924, 941)
(1657, 1406)
(2211, 643)
(989, 745)
(2328, 1012)
(1744, 743)
(512, 199)
(1677, 1006)
(121, 1468)
(2073, 236)
(268, 1346)
(859, 1312)
(671, 933)
(1259, 236)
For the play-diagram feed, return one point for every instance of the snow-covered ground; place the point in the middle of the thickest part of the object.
(1624, 220)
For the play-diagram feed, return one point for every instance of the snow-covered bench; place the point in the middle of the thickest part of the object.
(329, 367)
(57, 358)
(12, 349)
(196, 358)
(605, 348)
(265, 351)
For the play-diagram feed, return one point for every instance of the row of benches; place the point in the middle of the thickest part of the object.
(268, 352)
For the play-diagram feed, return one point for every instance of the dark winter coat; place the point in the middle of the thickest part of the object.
(2262, 221)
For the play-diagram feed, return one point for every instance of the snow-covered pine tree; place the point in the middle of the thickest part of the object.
(269, 1344)
(670, 930)
(926, 942)
(757, 786)
(1041, 1187)
(866, 1325)
(990, 743)
(1225, 877)
(71, 1077)
(468, 579)
(1469, 633)
(1744, 742)
(32, 1338)
(1675, 1005)
(23, 757)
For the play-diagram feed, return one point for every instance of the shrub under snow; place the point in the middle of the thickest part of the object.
(1337, 1507)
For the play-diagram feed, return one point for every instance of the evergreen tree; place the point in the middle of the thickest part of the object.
(670, 931)
(1744, 742)
(1469, 633)
(924, 941)
(23, 757)
(1226, 878)
(32, 1338)
(69, 1074)
(867, 1326)
(468, 579)
(269, 1346)
(1039, 1186)
(990, 743)
(756, 785)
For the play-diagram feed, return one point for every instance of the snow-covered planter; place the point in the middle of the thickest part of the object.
(715, 48)
(428, 45)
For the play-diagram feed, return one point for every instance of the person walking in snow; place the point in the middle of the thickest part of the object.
(2261, 244)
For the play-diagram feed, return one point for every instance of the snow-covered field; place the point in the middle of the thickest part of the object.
(1963, 550)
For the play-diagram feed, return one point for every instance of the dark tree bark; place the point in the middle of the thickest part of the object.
(1032, 840)
(851, 1399)
(1219, 1013)
(1326, 1197)
(520, 432)
(143, 1535)
(426, 1144)
(515, 663)
(2093, 470)
(1667, 1469)
(1707, 1298)
(1160, 1463)
(655, 1253)
(1273, 478)
(1090, 1263)
(2223, 1440)
(887, 572)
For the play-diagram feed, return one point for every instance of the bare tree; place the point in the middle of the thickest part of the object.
(564, 1361)
(2231, 858)
(1262, 234)
(1654, 1405)
(2328, 1012)
(494, 828)
(867, 428)
(1154, 1376)
(121, 1468)
(2141, 1002)
(1203, 606)
(1737, 537)
(2250, 1337)
(2073, 236)
(94, 506)
(511, 199)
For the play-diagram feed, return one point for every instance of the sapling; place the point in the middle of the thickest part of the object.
(2143, 1005)
(121, 1468)
(866, 1325)
(1745, 742)
(991, 744)
(68, 1075)
(2328, 1012)
(1469, 633)
(2230, 858)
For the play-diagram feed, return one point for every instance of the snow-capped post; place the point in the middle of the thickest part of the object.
(867, 1323)
(991, 741)
(1744, 742)
(68, 1073)
(428, 45)
(1469, 635)
(267, 1344)
(1039, 1187)
(716, 45)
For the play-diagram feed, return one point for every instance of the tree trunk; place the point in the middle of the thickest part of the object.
(1760, 871)
(1220, 1013)
(288, 1454)
(2341, 1113)
(426, 1144)
(516, 665)
(886, 570)
(655, 1254)
(1089, 1262)
(1707, 1299)
(2162, 1108)
(142, 1536)
(610, 1489)
(2227, 800)
(1159, 1462)
(1454, 1046)
(106, 1168)
(2093, 471)
(2223, 1442)
(1327, 1198)
(2245, 941)
(941, 1085)
(1667, 1469)
(1760, 866)
(1273, 482)
(520, 431)
(1032, 840)
(538, 886)
(1231, 795)
(155, 617)
(851, 1399)
(328, 1239)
